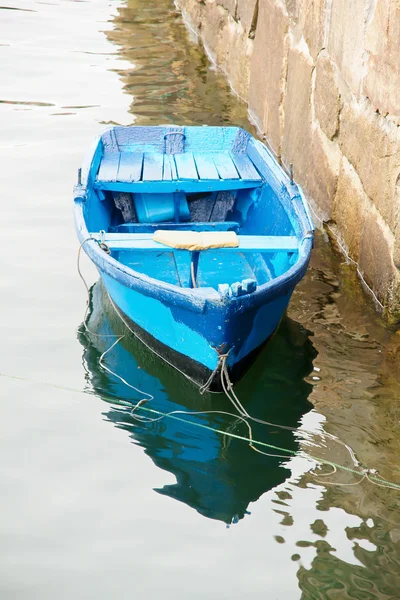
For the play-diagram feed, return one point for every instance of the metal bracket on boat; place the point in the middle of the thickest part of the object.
(309, 235)
(79, 193)
(102, 243)
(247, 286)
(79, 189)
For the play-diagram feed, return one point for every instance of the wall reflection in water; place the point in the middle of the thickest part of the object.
(217, 475)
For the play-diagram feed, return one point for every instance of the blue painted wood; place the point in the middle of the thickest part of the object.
(186, 167)
(161, 322)
(247, 243)
(91, 163)
(225, 166)
(215, 268)
(174, 140)
(109, 139)
(152, 167)
(240, 142)
(181, 209)
(182, 265)
(259, 266)
(196, 321)
(152, 139)
(245, 167)
(161, 266)
(140, 139)
(290, 196)
(151, 227)
(130, 166)
(168, 187)
(205, 166)
(109, 167)
(169, 173)
(210, 139)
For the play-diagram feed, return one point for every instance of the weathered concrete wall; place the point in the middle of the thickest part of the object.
(322, 82)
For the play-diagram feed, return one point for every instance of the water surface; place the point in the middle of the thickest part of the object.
(95, 504)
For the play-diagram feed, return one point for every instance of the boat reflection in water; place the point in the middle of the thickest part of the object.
(217, 475)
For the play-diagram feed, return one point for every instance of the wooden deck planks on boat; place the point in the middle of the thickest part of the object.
(169, 173)
(245, 167)
(153, 166)
(130, 166)
(109, 167)
(185, 166)
(225, 166)
(206, 167)
(141, 168)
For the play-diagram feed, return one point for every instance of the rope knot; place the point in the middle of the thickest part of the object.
(221, 363)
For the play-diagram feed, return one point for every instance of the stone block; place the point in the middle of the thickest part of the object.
(193, 11)
(372, 145)
(247, 13)
(313, 23)
(327, 97)
(376, 262)
(214, 19)
(229, 5)
(297, 136)
(322, 175)
(293, 7)
(234, 55)
(382, 43)
(346, 40)
(268, 70)
(396, 254)
(350, 207)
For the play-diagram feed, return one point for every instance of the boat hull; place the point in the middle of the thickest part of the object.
(193, 343)
(193, 370)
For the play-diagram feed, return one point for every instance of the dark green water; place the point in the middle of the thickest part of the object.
(95, 504)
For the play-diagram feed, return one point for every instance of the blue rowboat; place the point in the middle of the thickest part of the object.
(200, 238)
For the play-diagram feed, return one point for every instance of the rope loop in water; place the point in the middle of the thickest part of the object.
(365, 473)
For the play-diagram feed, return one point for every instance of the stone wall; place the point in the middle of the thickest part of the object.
(322, 83)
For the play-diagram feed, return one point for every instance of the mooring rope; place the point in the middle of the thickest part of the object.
(366, 473)
(230, 394)
(347, 256)
(369, 473)
(227, 387)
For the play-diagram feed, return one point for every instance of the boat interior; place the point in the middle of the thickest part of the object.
(138, 192)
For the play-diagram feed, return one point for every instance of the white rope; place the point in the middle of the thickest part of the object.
(149, 347)
(101, 363)
(348, 258)
(85, 317)
(230, 394)
(226, 386)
